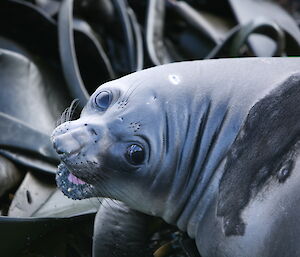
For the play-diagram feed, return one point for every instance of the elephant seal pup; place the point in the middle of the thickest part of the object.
(210, 146)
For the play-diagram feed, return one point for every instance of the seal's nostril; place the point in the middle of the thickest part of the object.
(56, 147)
(59, 151)
(93, 131)
(54, 143)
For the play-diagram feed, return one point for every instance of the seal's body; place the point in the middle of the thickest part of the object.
(210, 146)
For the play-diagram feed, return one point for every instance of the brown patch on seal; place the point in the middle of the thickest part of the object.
(265, 147)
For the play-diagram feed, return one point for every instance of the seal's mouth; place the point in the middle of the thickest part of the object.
(72, 186)
(75, 180)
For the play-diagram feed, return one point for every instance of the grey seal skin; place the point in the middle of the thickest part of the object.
(210, 146)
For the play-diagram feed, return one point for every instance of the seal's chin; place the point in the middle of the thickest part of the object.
(72, 186)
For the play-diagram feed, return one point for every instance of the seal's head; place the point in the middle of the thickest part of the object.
(118, 145)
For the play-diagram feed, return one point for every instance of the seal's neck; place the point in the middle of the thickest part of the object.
(195, 207)
(206, 137)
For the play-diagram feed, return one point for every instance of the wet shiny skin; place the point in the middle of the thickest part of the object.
(185, 118)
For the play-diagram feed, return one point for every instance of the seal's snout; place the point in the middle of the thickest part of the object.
(61, 129)
(71, 138)
(66, 144)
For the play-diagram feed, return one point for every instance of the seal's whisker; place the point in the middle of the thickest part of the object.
(125, 94)
(133, 90)
(133, 87)
(65, 115)
(98, 192)
(122, 194)
(131, 94)
(72, 109)
(68, 113)
(103, 188)
(107, 201)
(61, 120)
(102, 199)
(94, 204)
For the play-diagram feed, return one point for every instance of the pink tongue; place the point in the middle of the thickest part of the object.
(75, 180)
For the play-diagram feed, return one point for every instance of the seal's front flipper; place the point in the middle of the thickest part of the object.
(265, 149)
(119, 231)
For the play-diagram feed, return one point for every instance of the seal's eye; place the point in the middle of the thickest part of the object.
(103, 100)
(135, 154)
